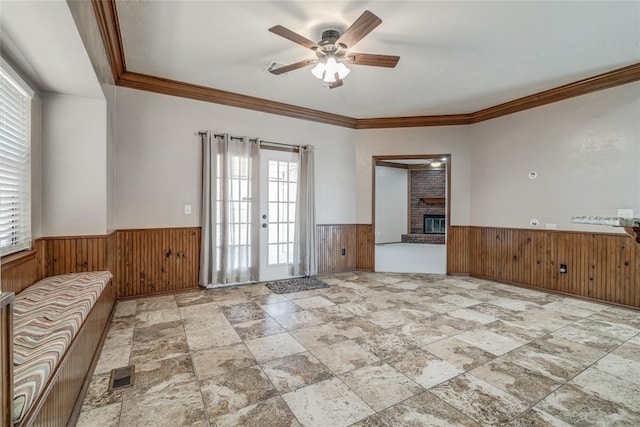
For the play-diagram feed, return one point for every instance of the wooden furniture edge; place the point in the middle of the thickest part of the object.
(543, 230)
(75, 414)
(13, 260)
(6, 353)
(634, 232)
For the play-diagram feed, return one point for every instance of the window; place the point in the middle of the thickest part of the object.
(238, 235)
(15, 162)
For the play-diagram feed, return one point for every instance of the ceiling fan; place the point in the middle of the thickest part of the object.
(333, 51)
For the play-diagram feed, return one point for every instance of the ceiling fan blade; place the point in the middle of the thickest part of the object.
(292, 67)
(388, 61)
(294, 37)
(337, 83)
(360, 28)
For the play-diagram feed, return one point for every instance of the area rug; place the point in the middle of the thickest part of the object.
(296, 285)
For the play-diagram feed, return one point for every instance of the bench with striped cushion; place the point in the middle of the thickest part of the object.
(47, 316)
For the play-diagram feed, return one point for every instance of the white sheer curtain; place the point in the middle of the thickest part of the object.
(229, 250)
(304, 244)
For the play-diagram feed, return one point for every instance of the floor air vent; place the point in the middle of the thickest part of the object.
(121, 377)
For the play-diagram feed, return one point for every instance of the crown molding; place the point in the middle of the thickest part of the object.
(107, 17)
(414, 121)
(203, 93)
(617, 77)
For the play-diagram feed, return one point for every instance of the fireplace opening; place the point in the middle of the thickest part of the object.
(434, 224)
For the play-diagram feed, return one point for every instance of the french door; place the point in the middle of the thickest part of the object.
(278, 187)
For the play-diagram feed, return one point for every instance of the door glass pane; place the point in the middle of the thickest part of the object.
(273, 254)
(281, 199)
(282, 254)
(290, 249)
(292, 212)
(273, 213)
(283, 212)
(273, 191)
(292, 191)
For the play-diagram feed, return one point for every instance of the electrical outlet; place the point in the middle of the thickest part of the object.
(563, 268)
(344, 251)
(625, 213)
(187, 209)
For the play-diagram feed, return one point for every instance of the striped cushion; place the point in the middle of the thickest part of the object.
(47, 315)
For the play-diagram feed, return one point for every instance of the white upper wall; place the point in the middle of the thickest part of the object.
(43, 41)
(74, 158)
(586, 151)
(158, 157)
(406, 141)
(69, 114)
(85, 19)
(392, 195)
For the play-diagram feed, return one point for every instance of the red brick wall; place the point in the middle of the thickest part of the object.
(426, 183)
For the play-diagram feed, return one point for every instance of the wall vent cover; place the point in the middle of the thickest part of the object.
(273, 65)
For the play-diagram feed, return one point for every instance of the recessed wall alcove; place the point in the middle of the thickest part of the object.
(427, 206)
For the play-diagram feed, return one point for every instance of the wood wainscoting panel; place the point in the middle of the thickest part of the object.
(601, 266)
(74, 254)
(20, 271)
(331, 240)
(458, 250)
(158, 260)
(365, 247)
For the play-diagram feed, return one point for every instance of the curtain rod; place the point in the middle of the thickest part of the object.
(252, 139)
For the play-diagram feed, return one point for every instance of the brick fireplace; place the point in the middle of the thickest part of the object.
(427, 192)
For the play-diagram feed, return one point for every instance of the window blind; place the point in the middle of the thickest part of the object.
(15, 165)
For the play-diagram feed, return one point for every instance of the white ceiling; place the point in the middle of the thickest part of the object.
(41, 38)
(456, 57)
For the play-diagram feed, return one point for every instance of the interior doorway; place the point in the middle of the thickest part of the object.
(411, 212)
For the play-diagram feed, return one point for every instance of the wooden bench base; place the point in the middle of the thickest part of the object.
(6, 358)
(60, 402)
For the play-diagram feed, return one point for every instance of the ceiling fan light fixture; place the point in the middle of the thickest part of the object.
(318, 70)
(326, 71)
(334, 67)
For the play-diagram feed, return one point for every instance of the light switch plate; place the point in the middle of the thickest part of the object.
(187, 209)
(625, 213)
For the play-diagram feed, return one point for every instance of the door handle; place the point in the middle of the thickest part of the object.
(264, 225)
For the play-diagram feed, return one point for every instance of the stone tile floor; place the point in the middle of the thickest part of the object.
(374, 349)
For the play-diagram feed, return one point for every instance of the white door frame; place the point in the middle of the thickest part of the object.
(277, 216)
